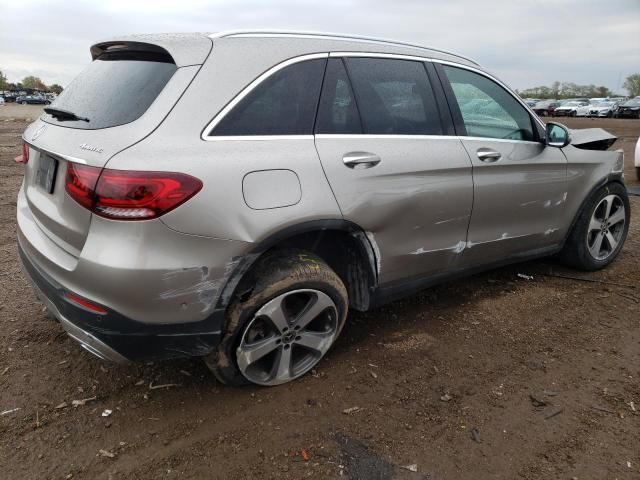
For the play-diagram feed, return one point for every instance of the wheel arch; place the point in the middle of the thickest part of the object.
(610, 178)
(342, 244)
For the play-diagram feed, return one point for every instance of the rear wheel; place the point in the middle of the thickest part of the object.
(294, 312)
(600, 231)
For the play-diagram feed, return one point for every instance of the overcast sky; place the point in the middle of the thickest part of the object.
(525, 42)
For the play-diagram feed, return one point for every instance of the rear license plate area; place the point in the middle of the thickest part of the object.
(46, 173)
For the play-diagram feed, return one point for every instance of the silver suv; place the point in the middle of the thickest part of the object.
(231, 196)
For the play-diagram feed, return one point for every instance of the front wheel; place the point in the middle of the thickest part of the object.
(600, 230)
(292, 312)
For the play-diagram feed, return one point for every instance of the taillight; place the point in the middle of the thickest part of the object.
(81, 183)
(129, 195)
(24, 158)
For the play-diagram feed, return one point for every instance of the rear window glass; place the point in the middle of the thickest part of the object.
(115, 89)
(394, 97)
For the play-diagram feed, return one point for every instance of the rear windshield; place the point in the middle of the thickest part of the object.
(116, 88)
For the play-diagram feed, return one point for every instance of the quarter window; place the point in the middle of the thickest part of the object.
(283, 104)
(487, 109)
(394, 96)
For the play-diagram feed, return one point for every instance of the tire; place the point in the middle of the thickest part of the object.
(573, 114)
(24, 103)
(291, 278)
(576, 251)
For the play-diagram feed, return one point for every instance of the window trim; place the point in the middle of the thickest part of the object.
(206, 132)
(444, 84)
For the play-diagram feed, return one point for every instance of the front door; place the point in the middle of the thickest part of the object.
(519, 183)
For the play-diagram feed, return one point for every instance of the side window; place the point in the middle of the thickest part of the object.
(337, 112)
(487, 109)
(283, 104)
(394, 96)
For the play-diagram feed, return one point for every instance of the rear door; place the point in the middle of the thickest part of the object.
(118, 100)
(394, 172)
(519, 183)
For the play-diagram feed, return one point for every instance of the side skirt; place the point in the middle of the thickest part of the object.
(390, 292)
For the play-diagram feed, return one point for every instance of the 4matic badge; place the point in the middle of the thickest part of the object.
(91, 148)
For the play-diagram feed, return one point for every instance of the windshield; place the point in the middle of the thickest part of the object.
(115, 89)
(633, 103)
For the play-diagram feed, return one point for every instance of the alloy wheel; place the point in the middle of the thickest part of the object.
(606, 227)
(287, 337)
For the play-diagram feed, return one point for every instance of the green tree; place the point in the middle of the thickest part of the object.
(4, 85)
(632, 84)
(55, 88)
(33, 82)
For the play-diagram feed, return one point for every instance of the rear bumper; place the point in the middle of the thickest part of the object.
(114, 337)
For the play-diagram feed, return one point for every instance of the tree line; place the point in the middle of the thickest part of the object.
(559, 90)
(30, 82)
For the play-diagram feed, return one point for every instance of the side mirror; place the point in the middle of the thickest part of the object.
(557, 135)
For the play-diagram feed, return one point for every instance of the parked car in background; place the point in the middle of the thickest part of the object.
(291, 202)
(34, 100)
(629, 109)
(545, 108)
(531, 101)
(600, 109)
(1, 101)
(569, 108)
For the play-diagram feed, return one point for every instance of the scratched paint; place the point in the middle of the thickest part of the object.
(376, 251)
(198, 286)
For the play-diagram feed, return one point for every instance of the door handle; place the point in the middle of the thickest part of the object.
(488, 155)
(361, 159)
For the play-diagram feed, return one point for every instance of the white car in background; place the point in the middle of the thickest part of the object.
(597, 109)
(569, 109)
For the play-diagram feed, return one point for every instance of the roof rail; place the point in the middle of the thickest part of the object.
(328, 36)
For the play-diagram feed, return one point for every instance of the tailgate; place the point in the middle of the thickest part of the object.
(118, 100)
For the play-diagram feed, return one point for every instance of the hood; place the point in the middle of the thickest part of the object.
(592, 139)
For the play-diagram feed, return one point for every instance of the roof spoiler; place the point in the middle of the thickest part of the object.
(129, 47)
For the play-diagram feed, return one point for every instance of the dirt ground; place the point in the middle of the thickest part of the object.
(491, 377)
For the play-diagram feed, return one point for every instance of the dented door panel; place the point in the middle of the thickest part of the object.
(414, 204)
(519, 199)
